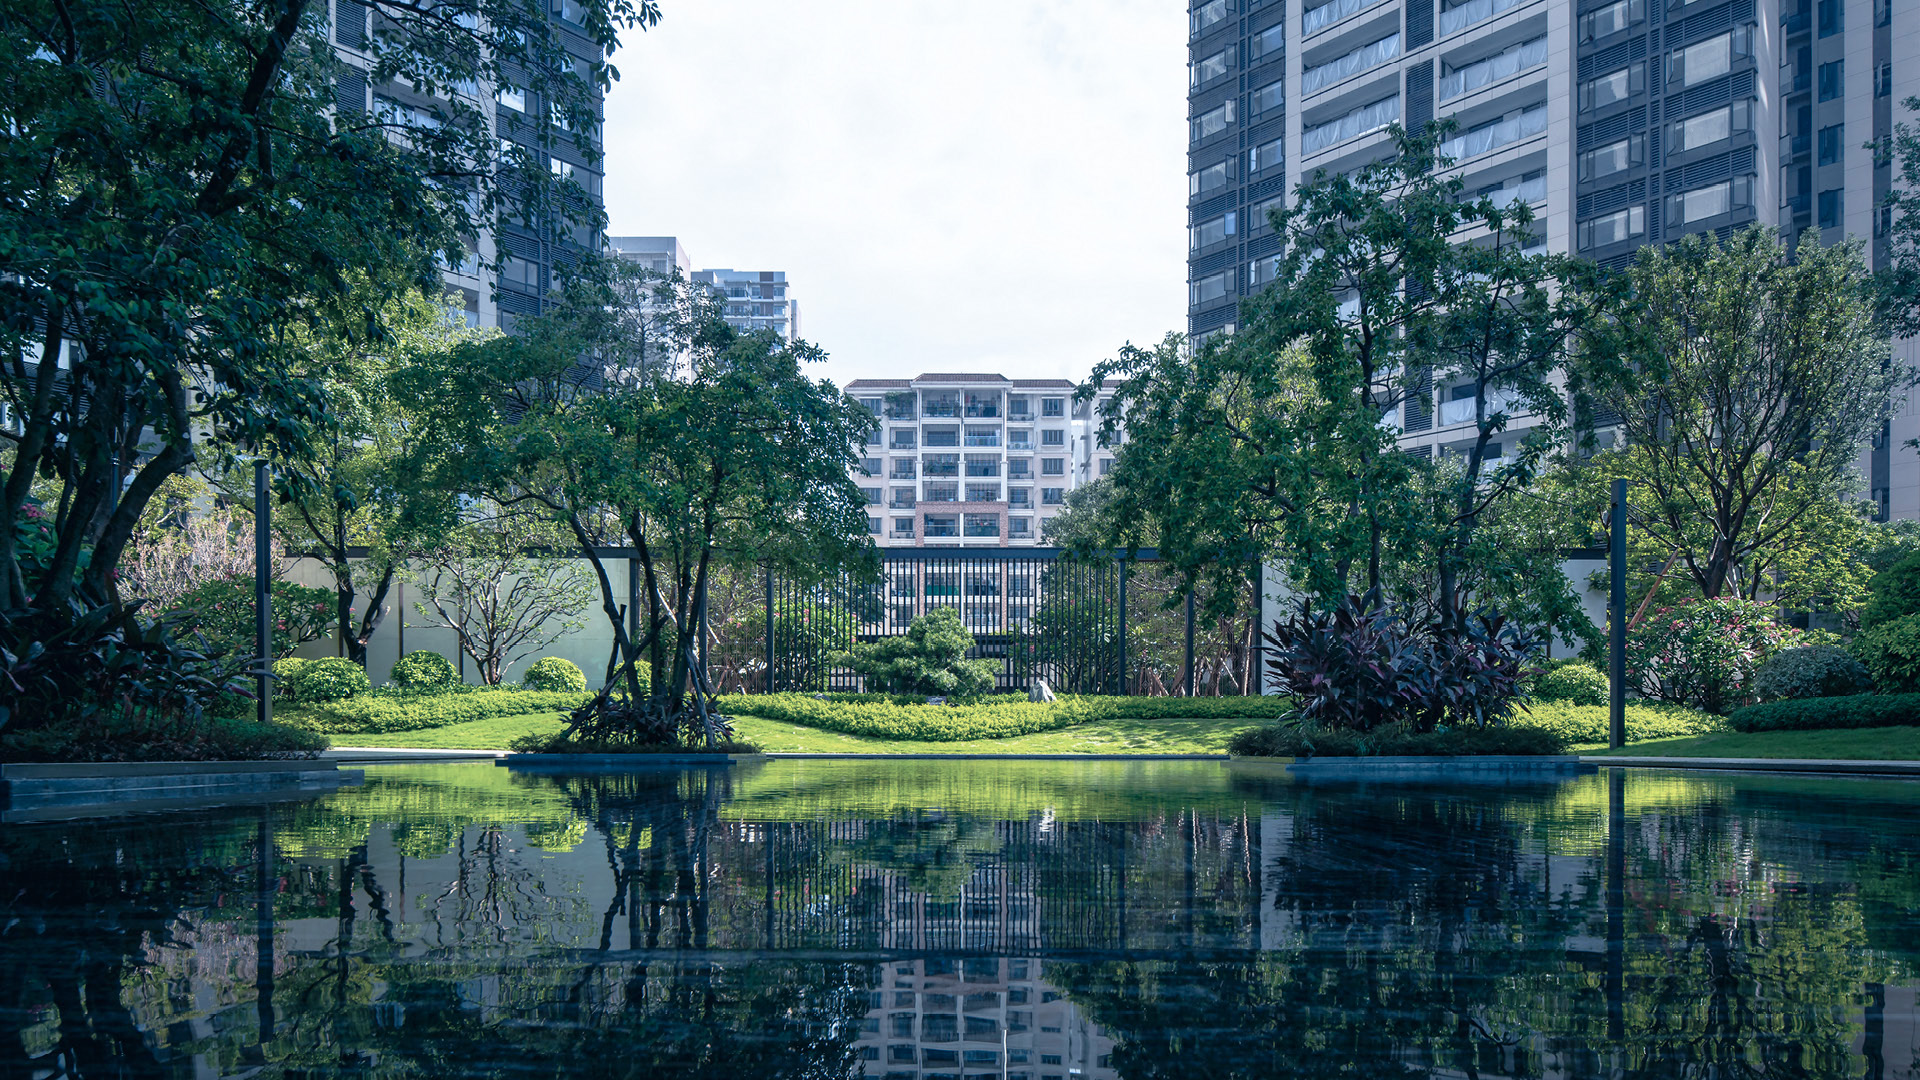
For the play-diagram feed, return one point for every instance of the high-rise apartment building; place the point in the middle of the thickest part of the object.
(525, 253)
(1623, 123)
(752, 299)
(972, 460)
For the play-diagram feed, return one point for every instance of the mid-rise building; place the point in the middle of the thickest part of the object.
(752, 299)
(974, 460)
(1621, 122)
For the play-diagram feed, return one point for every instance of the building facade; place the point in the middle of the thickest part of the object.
(974, 460)
(1622, 122)
(753, 299)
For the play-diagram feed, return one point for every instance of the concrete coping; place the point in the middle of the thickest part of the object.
(114, 770)
(1843, 766)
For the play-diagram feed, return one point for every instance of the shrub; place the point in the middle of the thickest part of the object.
(1810, 671)
(424, 670)
(334, 678)
(642, 671)
(1891, 653)
(1814, 714)
(222, 612)
(1575, 683)
(1703, 653)
(554, 673)
(141, 737)
(562, 744)
(1393, 740)
(1358, 666)
(905, 717)
(930, 659)
(381, 713)
(1586, 725)
(1893, 593)
(286, 673)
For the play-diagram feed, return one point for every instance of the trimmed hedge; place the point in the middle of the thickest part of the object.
(1294, 740)
(388, 712)
(1574, 682)
(880, 716)
(1587, 724)
(424, 670)
(554, 673)
(332, 678)
(142, 739)
(1815, 714)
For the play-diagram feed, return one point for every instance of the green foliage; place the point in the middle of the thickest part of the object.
(1393, 740)
(1575, 683)
(381, 712)
(642, 673)
(424, 670)
(1586, 725)
(1812, 714)
(877, 716)
(333, 678)
(102, 664)
(1895, 593)
(554, 673)
(1703, 653)
(147, 738)
(562, 744)
(929, 659)
(502, 603)
(1891, 652)
(222, 611)
(1821, 669)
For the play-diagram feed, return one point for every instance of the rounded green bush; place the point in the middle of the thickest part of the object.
(424, 669)
(1891, 653)
(554, 673)
(1895, 592)
(287, 672)
(334, 678)
(1810, 671)
(643, 671)
(1578, 683)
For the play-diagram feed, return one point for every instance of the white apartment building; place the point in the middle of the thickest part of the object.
(751, 299)
(974, 460)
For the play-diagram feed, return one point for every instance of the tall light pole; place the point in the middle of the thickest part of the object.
(262, 593)
(1617, 622)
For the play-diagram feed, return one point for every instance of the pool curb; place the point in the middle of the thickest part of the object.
(35, 791)
(1837, 766)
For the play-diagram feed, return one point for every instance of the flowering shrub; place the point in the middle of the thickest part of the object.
(1704, 653)
(222, 611)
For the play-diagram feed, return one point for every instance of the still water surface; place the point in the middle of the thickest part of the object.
(930, 920)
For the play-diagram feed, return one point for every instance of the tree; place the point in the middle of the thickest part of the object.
(931, 658)
(498, 586)
(1755, 380)
(180, 189)
(730, 453)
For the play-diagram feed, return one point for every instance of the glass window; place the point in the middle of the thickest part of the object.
(1019, 526)
(1613, 228)
(1053, 466)
(981, 525)
(902, 498)
(872, 495)
(1211, 178)
(1268, 156)
(1883, 80)
(1710, 201)
(1207, 290)
(1212, 122)
(1358, 122)
(942, 436)
(1707, 128)
(1204, 16)
(1204, 71)
(1488, 137)
(983, 492)
(1832, 21)
(944, 525)
(1833, 80)
(1053, 437)
(1832, 142)
(1267, 42)
(1831, 209)
(1314, 18)
(1020, 497)
(1212, 231)
(874, 525)
(1612, 87)
(1604, 161)
(1361, 59)
(1053, 496)
(1053, 406)
(512, 97)
(1019, 468)
(1458, 16)
(1609, 20)
(1709, 59)
(1470, 77)
(520, 271)
(1269, 97)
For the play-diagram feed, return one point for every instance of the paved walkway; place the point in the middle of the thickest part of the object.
(1797, 765)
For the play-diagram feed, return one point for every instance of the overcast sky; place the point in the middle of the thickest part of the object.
(991, 186)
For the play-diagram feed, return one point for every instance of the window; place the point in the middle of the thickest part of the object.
(512, 97)
(1267, 42)
(1019, 468)
(1832, 139)
(1053, 496)
(522, 272)
(1710, 58)
(1460, 15)
(1269, 97)
(1202, 181)
(1609, 20)
(1268, 156)
(1207, 290)
(945, 525)
(945, 491)
(1361, 59)
(983, 492)
(1314, 18)
(1354, 124)
(942, 464)
(1020, 439)
(871, 466)
(1019, 407)
(903, 528)
(1204, 71)
(1490, 136)
(979, 525)
(872, 495)
(1830, 18)
(1261, 271)
(571, 10)
(1709, 127)
(983, 464)
(981, 1057)
(901, 1055)
(1053, 406)
(1830, 209)
(1470, 77)
(1020, 498)
(1883, 80)
(1604, 161)
(1106, 466)
(1053, 466)
(1211, 231)
(1204, 16)
(1710, 201)
(1212, 122)
(902, 1028)
(1614, 227)
(902, 499)
(1261, 215)
(874, 525)
(1053, 437)
(979, 1027)
(1612, 87)
(982, 436)
(903, 469)
(1019, 527)
(903, 439)
(1832, 80)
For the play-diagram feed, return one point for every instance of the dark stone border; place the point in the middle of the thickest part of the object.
(1828, 766)
(41, 790)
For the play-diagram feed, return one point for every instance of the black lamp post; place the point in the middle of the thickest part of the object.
(1617, 622)
(262, 592)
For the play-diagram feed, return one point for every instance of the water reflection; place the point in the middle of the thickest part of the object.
(922, 920)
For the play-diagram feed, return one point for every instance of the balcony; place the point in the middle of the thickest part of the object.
(984, 440)
(979, 410)
(1494, 136)
(1460, 410)
(1460, 16)
(1794, 147)
(983, 468)
(900, 503)
(1021, 416)
(1317, 18)
(899, 443)
(900, 534)
(901, 473)
(939, 409)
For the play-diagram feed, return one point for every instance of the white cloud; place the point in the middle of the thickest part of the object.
(992, 186)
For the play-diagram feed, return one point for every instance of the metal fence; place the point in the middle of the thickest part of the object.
(1040, 612)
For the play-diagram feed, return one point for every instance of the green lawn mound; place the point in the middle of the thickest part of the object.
(1841, 744)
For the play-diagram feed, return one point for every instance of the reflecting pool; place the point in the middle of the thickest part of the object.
(934, 920)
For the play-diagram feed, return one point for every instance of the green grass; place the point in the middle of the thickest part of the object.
(774, 736)
(1857, 744)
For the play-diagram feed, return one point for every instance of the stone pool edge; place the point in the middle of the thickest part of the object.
(33, 791)
(1832, 766)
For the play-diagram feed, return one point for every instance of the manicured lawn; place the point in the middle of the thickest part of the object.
(1881, 744)
(1114, 737)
